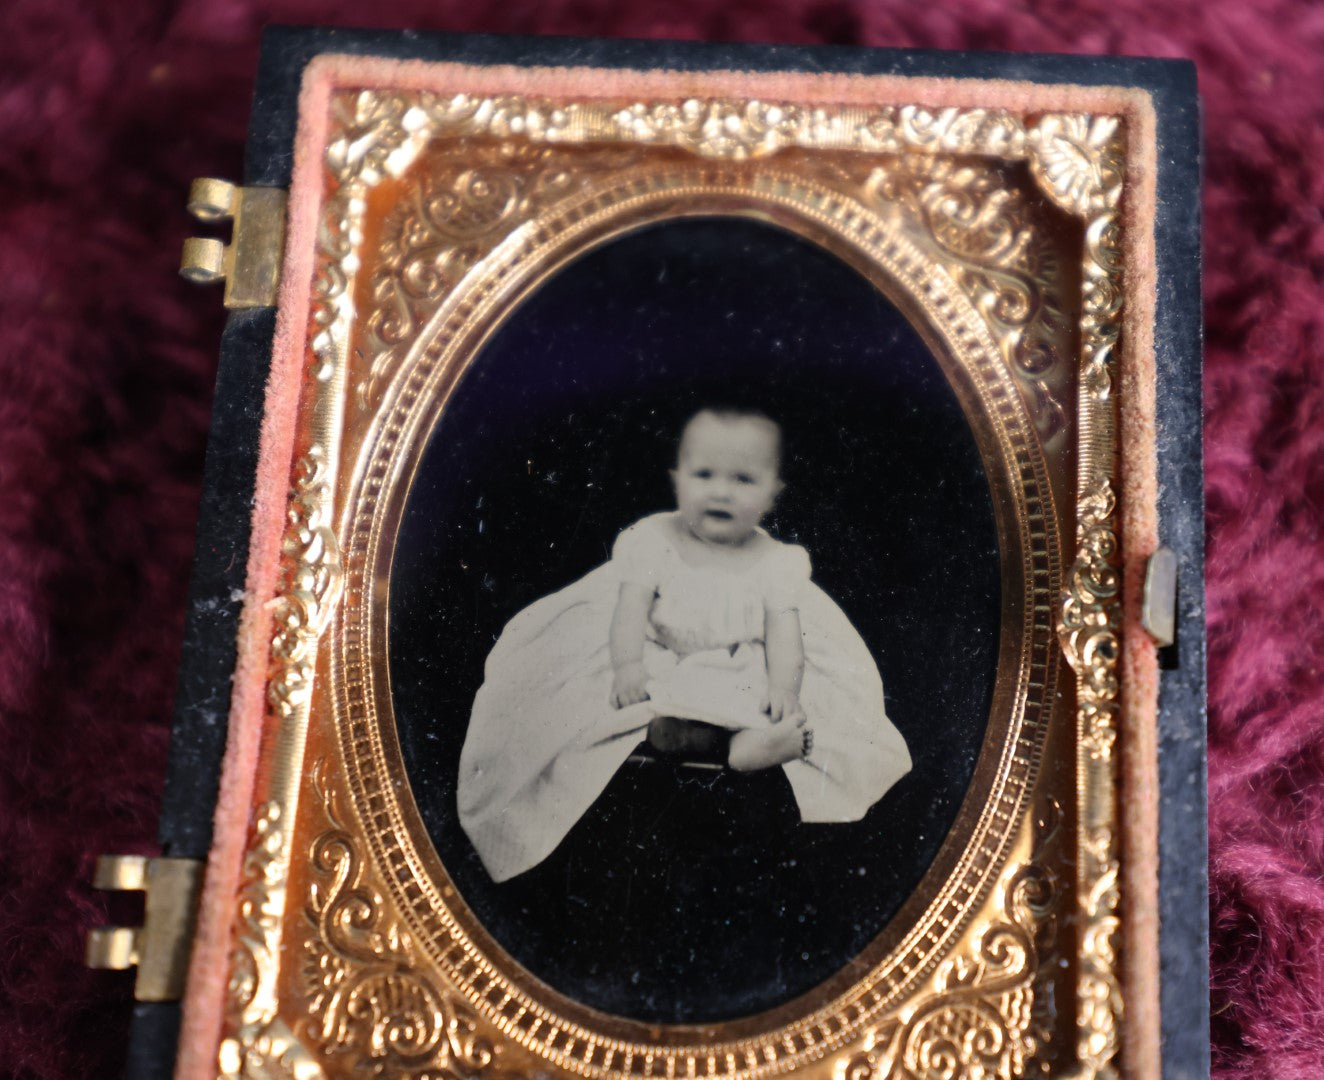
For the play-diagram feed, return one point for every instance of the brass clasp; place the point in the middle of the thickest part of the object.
(1159, 605)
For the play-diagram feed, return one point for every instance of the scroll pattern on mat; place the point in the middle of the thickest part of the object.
(369, 1003)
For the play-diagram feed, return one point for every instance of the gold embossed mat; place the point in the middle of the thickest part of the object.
(1003, 233)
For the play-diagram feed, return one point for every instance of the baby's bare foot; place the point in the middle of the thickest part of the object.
(761, 748)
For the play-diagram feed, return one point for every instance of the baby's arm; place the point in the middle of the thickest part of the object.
(788, 738)
(629, 623)
(786, 662)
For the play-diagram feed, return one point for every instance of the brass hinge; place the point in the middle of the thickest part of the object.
(250, 263)
(160, 947)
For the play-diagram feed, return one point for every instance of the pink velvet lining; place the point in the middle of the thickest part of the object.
(209, 968)
(1138, 531)
(209, 965)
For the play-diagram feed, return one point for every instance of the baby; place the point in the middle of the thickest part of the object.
(727, 477)
(700, 624)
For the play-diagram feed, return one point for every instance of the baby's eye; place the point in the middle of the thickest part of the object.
(744, 478)
(703, 474)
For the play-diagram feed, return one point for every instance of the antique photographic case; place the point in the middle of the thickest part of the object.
(945, 309)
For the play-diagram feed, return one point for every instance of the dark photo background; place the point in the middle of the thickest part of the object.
(561, 435)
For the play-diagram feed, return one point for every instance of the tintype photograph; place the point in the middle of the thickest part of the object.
(694, 618)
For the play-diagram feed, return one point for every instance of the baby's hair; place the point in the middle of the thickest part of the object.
(735, 410)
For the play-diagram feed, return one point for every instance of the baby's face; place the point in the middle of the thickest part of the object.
(727, 476)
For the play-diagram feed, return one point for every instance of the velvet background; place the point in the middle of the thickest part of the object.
(107, 361)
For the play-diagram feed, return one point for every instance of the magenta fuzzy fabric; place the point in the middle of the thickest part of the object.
(107, 361)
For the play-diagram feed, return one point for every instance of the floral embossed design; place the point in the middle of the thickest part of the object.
(1078, 161)
(311, 581)
(977, 1022)
(999, 256)
(253, 958)
(366, 998)
(470, 199)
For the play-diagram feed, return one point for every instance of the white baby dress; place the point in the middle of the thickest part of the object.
(544, 741)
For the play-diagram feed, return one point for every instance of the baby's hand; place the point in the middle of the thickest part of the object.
(785, 705)
(627, 687)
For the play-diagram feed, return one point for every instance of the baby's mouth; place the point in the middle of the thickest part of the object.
(720, 515)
